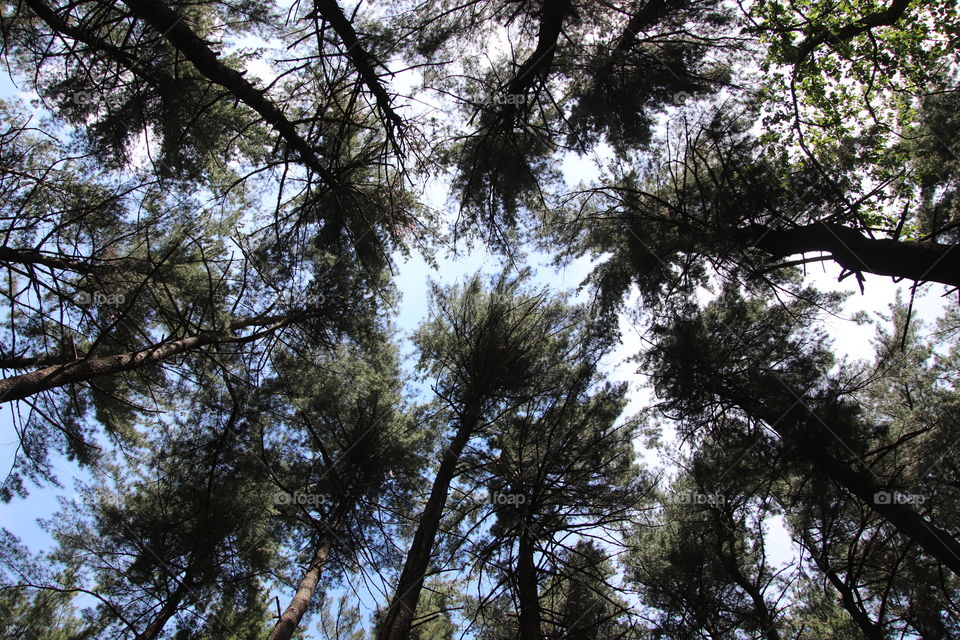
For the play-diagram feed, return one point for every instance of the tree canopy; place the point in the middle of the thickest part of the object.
(208, 210)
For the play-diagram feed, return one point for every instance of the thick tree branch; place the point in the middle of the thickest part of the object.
(330, 11)
(647, 16)
(83, 369)
(920, 261)
(59, 25)
(537, 64)
(195, 49)
(33, 257)
(823, 35)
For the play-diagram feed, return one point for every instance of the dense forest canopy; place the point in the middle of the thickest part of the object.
(204, 208)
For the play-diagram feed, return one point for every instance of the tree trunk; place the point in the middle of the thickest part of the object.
(170, 607)
(399, 616)
(870, 629)
(293, 614)
(83, 369)
(528, 593)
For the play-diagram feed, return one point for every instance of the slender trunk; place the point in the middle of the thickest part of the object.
(399, 616)
(83, 369)
(528, 594)
(800, 427)
(170, 607)
(291, 617)
(870, 629)
(729, 559)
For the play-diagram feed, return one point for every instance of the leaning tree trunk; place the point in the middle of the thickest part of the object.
(291, 617)
(399, 616)
(801, 428)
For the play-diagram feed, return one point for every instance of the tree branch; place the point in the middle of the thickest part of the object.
(83, 369)
(330, 11)
(823, 35)
(535, 67)
(919, 261)
(195, 49)
(34, 257)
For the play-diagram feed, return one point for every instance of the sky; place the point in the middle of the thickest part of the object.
(851, 340)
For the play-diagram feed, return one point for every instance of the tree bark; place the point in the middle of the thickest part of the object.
(83, 369)
(538, 63)
(528, 593)
(293, 614)
(399, 616)
(920, 261)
